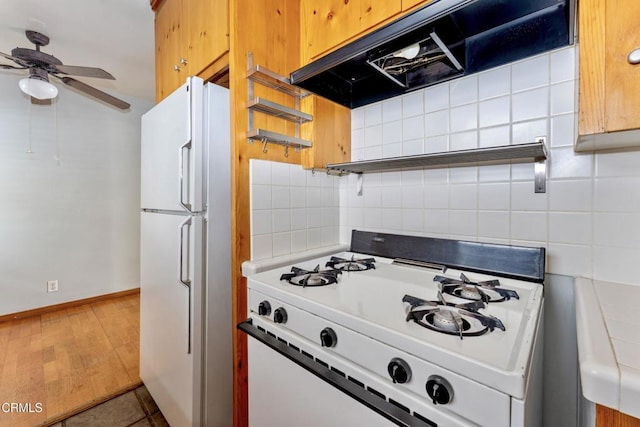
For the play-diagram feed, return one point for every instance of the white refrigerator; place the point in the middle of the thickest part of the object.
(185, 271)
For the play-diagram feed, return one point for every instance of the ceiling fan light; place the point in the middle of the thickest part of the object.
(37, 88)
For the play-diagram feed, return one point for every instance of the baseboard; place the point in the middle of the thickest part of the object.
(50, 308)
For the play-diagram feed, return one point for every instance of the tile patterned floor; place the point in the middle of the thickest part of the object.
(133, 409)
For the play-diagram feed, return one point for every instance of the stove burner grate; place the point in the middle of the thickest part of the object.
(462, 320)
(486, 291)
(316, 277)
(353, 264)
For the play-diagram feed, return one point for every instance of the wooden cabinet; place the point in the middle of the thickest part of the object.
(607, 417)
(190, 35)
(609, 87)
(168, 46)
(409, 4)
(330, 132)
(327, 24)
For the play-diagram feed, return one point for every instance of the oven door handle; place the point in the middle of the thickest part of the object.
(370, 400)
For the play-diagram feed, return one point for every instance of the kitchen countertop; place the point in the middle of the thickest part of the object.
(608, 327)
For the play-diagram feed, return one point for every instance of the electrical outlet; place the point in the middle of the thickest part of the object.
(52, 286)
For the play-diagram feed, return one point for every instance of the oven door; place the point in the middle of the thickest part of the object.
(290, 386)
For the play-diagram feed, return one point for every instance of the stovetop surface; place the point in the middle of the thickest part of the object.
(370, 302)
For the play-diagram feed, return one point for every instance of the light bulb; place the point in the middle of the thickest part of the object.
(37, 88)
(408, 52)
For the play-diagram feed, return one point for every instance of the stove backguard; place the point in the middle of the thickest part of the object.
(515, 262)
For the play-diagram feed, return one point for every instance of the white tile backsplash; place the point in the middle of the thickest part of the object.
(463, 91)
(563, 130)
(529, 105)
(392, 110)
(436, 123)
(563, 65)
(530, 73)
(463, 141)
(528, 131)
(373, 136)
(372, 115)
(493, 112)
(495, 136)
(413, 104)
(494, 196)
(436, 196)
(464, 118)
(391, 132)
(436, 144)
(436, 98)
(562, 98)
(493, 224)
(587, 220)
(292, 209)
(495, 82)
(412, 128)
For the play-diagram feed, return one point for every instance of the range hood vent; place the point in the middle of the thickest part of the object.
(443, 40)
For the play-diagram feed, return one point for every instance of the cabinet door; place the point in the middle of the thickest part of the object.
(609, 95)
(168, 47)
(328, 23)
(622, 79)
(207, 35)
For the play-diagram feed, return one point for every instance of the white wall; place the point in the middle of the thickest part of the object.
(588, 218)
(74, 219)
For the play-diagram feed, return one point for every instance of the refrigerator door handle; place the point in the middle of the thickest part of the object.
(186, 145)
(186, 282)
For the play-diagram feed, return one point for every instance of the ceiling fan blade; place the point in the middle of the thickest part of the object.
(7, 56)
(83, 71)
(14, 59)
(11, 67)
(96, 93)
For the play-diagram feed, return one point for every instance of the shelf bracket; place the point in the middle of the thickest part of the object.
(540, 170)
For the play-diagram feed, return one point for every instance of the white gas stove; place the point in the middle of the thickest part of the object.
(422, 344)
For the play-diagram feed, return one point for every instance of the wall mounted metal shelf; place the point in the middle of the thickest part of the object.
(531, 152)
(277, 110)
(268, 78)
(265, 77)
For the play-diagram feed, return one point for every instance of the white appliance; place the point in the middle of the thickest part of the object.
(185, 274)
(412, 343)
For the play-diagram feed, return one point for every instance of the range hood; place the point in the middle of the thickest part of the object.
(441, 41)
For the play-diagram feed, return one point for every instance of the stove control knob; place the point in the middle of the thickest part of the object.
(280, 315)
(439, 390)
(264, 308)
(399, 371)
(328, 337)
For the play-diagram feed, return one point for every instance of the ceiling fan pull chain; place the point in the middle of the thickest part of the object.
(55, 125)
(29, 148)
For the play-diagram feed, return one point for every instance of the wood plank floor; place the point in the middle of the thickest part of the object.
(68, 360)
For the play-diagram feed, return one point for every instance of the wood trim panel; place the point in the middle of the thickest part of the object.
(218, 71)
(262, 28)
(607, 417)
(154, 4)
(330, 132)
(51, 308)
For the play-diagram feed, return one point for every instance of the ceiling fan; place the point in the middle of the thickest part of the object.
(42, 65)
